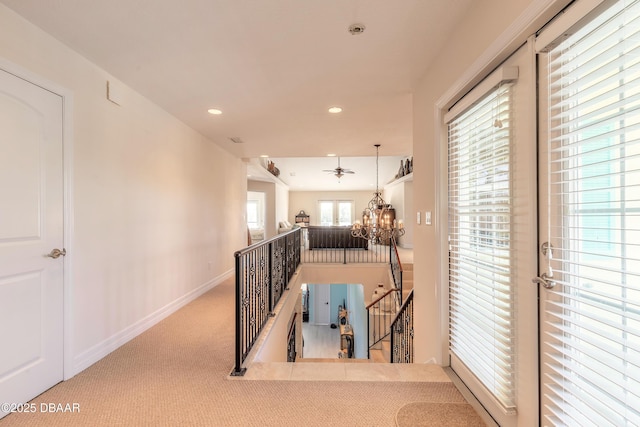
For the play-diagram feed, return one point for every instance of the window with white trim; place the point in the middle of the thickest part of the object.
(336, 212)
(481, 329)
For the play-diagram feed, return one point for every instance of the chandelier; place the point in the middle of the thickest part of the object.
(379, 224)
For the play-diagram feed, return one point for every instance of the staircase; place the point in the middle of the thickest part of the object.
(381, 352)
(407, 280)
(381, 355)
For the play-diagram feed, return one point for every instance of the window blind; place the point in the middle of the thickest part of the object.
(481, 328)
(592, 329)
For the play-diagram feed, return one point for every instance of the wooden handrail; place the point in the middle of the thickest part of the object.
(380, 298)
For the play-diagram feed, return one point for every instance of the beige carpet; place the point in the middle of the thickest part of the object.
(427, 414)
(176, 374)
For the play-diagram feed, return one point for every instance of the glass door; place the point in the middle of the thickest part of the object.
(589, 270)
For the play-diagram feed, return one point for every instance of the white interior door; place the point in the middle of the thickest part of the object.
(31, 225)
(322, 311)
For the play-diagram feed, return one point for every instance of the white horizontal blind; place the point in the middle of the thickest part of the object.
(480, 288)
(592, 333)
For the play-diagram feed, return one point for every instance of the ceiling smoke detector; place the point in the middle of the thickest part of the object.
(356, 29)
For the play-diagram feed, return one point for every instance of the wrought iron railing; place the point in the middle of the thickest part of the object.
(263, 272)
(380, 315)
(402, 333)
(337, 245)
(292, 352)
(396, 267)
(383, 313)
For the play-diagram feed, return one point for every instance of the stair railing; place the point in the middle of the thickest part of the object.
(396, 266)
(380, 323)
(402, 333)
(263, 272)
(380, 315)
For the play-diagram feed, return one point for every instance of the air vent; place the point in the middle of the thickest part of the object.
(236, 140)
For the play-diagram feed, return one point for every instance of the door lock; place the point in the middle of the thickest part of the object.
(544, 280)
(55, 253)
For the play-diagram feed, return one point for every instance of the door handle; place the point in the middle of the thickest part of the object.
(544, 280)
(55, 253)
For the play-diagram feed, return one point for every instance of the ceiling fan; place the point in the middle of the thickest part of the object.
(339, 171)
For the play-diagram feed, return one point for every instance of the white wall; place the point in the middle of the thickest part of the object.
(358, 321)
(158, 210)
(282, 204)
(400, 196)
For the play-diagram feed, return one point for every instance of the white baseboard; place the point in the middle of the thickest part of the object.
(88, 357)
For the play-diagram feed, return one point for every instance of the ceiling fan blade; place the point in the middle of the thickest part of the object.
(339, 171)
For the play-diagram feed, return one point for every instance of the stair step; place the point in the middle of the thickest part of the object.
(376, 356)
(386, 350)
(407, 275)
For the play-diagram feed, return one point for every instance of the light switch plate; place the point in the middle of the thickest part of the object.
(418, 218)
(427, 217)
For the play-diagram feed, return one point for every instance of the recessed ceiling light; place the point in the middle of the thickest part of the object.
(264, 156)
(335, 110)
(331, 155)
(214, 111)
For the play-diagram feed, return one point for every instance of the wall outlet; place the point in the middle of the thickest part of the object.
(418, 218)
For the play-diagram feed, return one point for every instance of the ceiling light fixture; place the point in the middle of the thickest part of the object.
(339, 171)
(335, 110)
(214, 111)
(379, 222)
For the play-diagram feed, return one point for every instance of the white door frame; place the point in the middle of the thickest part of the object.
(67, 166)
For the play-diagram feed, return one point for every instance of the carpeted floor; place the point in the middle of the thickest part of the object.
(429, 414)
(176, 374)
